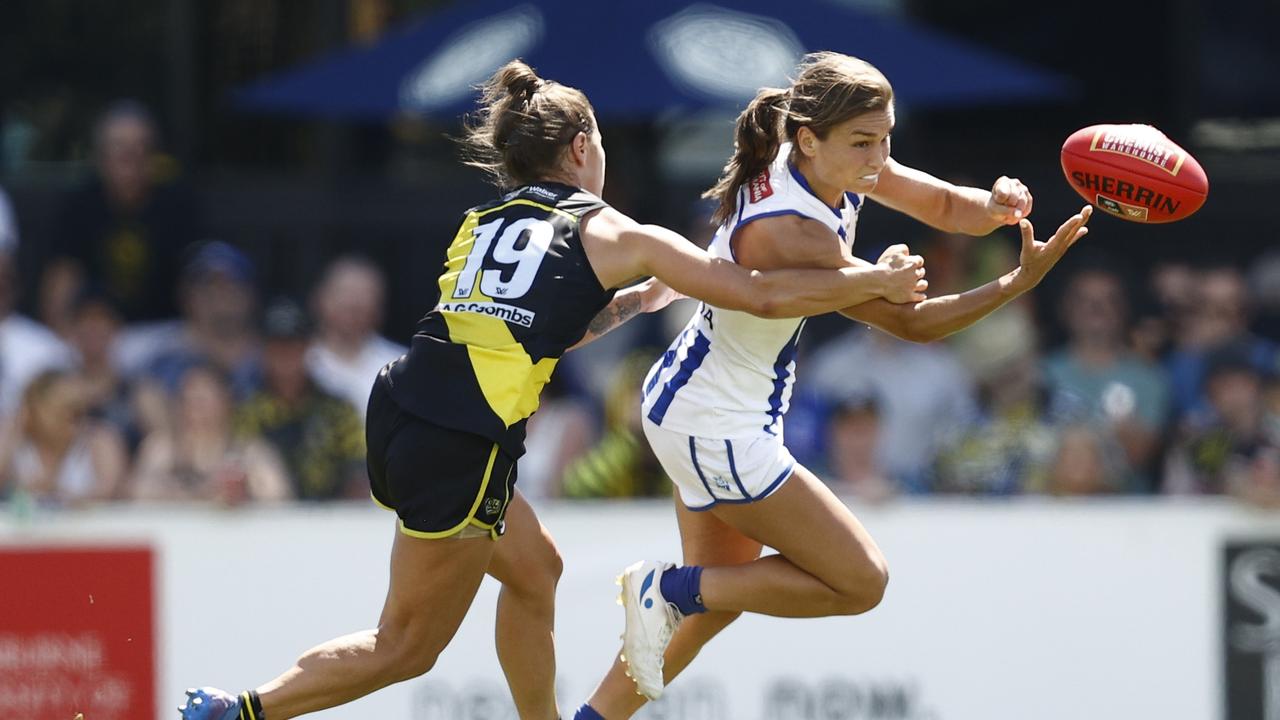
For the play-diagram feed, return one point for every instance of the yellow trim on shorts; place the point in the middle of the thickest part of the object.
(493, 527)
(506, 488)
(469, 519)
(378, 502)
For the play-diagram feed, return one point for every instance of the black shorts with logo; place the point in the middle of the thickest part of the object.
(441, 482)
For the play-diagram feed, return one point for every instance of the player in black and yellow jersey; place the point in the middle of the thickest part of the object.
(526, 278)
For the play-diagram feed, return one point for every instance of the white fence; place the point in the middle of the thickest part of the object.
(1053, 610)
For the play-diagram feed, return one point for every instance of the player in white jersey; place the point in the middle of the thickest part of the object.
(806, 160)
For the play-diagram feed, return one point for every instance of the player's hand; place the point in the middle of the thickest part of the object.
(1010, 201)
(656, 295)
(899, 249)
(905, 272)
(1037, 258)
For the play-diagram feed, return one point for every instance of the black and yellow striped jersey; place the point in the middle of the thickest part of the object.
(517, 291)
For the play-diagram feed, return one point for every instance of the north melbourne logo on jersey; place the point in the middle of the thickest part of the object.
(510, 313)
(759, 187)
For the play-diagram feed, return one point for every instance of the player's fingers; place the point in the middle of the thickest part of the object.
(915, 260)
(1079, 234)
(1010, 196)
(1008, 214)
(1019, 198)
(1067, 228)
(1002, 190)
(922, 285)
(896, 249)
(1028, 201)
(1028, 235)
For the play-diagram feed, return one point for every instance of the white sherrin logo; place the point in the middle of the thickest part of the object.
(724, 54)
(470, 56)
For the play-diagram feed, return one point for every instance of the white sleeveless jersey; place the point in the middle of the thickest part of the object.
(729, 374)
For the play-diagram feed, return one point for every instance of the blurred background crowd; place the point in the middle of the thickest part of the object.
(195, 296)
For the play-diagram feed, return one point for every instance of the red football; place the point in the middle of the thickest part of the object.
(1134, 172)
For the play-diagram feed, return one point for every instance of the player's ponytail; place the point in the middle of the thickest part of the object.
(829, 89)
(523, 125)
(756, 139)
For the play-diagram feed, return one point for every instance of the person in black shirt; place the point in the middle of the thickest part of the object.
(124, 230)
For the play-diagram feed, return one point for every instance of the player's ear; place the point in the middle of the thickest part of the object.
(807, 141)
(578, 148)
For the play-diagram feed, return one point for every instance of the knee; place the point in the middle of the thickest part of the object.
(411, 663)
(544, 574)
(537, 578)
(555, 566)
(863, 587)
(404, 654)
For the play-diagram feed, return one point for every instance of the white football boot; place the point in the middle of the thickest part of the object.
(651, 621)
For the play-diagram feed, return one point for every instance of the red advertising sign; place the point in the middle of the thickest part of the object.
(76, 633)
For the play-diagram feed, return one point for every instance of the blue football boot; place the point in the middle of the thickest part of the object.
(209, 703)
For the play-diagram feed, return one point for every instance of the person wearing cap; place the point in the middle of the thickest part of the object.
(1235, 448)
(319, 436)
(218, 300)
(853, 434)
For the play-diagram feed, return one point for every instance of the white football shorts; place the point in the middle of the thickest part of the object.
(711, 471)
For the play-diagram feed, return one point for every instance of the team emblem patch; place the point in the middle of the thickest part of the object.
(759, 187)
(492, 506)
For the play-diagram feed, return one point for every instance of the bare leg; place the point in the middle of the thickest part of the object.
(707, 541)
(432, 585)
(828, 564)
(528, 565)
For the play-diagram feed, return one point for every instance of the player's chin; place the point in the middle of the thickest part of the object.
(864, 185)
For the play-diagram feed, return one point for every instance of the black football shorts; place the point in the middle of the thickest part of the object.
(443, 483)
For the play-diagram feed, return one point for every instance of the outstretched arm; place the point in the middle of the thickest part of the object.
(938, 317)
(621, 249)
(774, 293)
(952, 208)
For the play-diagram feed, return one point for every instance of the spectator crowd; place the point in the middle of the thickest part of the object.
(159, 368)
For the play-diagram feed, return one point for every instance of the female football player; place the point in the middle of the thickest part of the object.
(807, 157)
(526, 277)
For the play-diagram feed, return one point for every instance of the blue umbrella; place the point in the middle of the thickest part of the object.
(640, 59)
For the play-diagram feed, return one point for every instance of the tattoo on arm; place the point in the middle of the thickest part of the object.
(614, 314)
